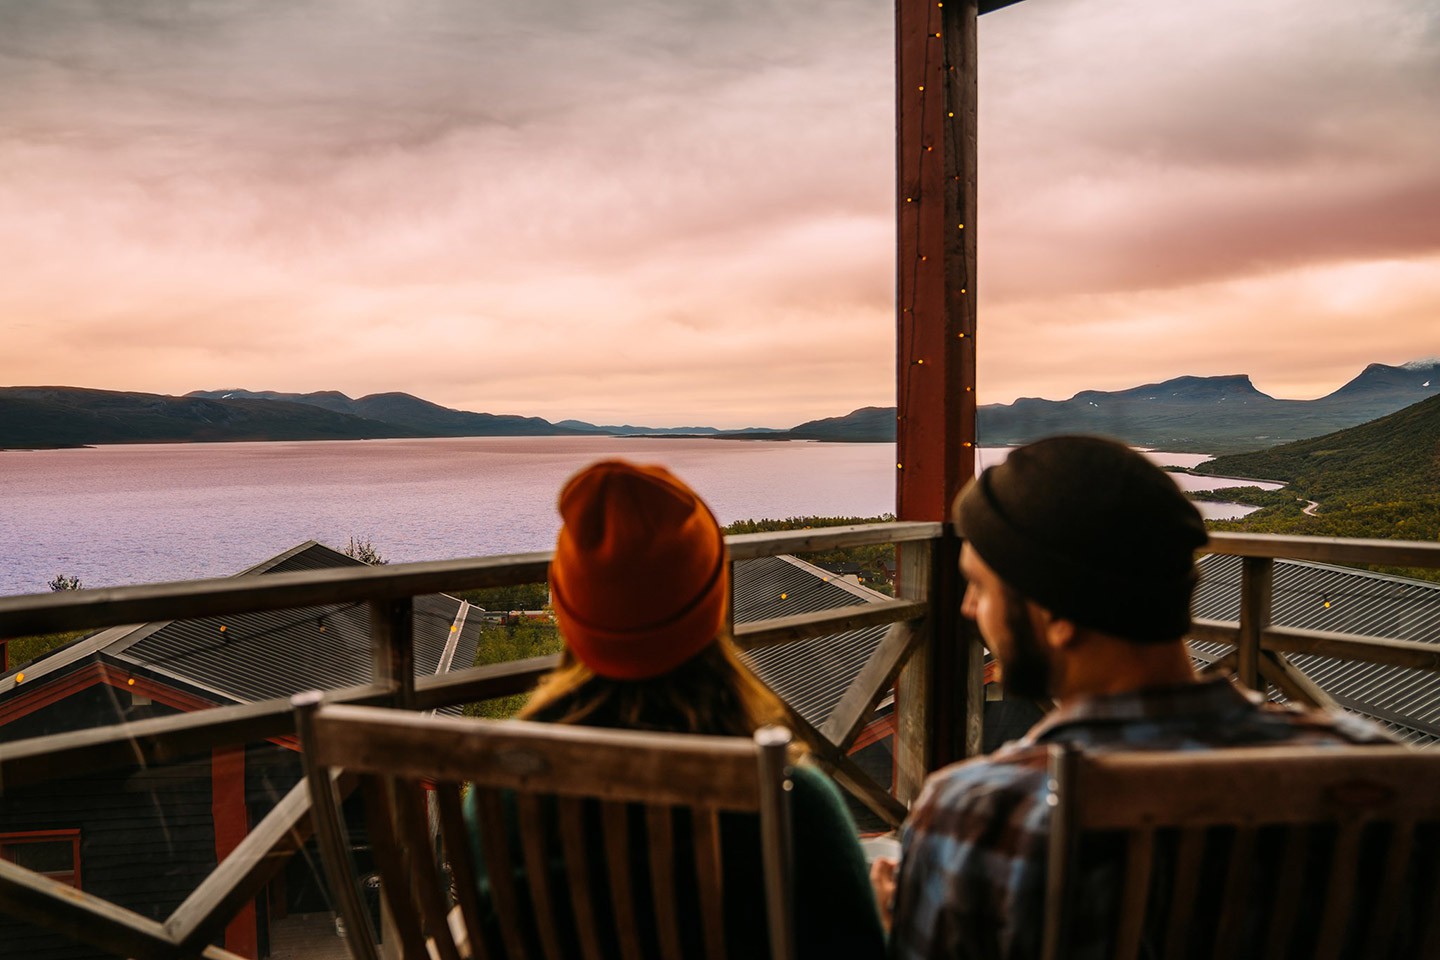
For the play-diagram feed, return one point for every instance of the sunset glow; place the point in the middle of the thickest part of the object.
(683, 213)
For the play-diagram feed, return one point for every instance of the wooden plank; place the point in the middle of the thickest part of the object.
(1134, 899)
(456, 840)
(1398, 653)
(777, 839)
(670, 768)
(1287, 887)
(413, 831)
(238, 879)
(972, 651)
(534, 844)
(1394, 553)
(109, 606)
(710, 879)
(1214, 631)
(914, 707)
(1215, 668)
(332, 840)
(392, 648)
(1340, 891)
(1185, 882)
(482, 683)
(1256, 591)
(1415, 654)
(747, 546)
(845, 771)
(936, 160)
(393, 858)
(1287, 678)
(495, 846)
(149, 742)
(1392, 892)
(164, 739)
(820, 623)
(1207, 788)
(615, 821)
(660, 845)
(857, 704)
(81, 916)
(571, 815)
(1234, 896)
(1063, 846)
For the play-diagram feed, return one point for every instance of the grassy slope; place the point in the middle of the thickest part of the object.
(1380, 479)
(70, 416)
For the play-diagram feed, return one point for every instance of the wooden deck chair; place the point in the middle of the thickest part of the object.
(1245, 852)
(594, 842)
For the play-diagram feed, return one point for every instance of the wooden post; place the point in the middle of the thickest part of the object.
(936, 157)
(1256, 590)
(392, 647)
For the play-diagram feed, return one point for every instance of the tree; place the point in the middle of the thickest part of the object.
(364, 551)
(64, 581)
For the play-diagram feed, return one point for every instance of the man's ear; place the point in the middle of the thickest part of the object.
(1056, 632)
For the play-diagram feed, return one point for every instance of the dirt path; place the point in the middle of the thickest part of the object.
(1311, 507)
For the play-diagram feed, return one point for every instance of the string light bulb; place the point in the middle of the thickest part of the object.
(130, 682)
(223, 628)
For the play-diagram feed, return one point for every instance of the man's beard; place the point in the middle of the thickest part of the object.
(1026, 672)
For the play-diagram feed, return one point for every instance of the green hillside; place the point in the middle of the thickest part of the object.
(1380, 479)
(42, 417)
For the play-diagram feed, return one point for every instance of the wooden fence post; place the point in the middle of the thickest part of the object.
(936, 159)
(1256, 592)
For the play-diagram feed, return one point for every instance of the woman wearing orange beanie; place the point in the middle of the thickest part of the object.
(640, 584)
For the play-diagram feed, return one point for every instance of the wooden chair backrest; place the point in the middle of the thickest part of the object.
(543, 779)
(1321, 852)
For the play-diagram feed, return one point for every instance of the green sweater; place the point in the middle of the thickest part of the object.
(835, 910)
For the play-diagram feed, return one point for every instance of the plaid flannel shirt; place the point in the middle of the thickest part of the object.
(973, 852)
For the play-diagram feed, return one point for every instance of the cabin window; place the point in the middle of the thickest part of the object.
(52, 853)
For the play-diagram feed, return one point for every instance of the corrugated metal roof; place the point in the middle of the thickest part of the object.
(811, 675)
(1316, 596)
(260, 656)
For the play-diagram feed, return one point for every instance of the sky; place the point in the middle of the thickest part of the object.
(681, 212)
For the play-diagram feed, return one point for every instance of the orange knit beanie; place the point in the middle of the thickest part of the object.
(640, 577)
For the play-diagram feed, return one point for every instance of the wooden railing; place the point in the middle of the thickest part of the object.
(1259, 657)
(1260, 648)
(389, 591)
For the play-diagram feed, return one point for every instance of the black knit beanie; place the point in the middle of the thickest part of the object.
(1090, 530)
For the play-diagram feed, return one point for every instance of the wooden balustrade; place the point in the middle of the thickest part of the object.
(1260, 650)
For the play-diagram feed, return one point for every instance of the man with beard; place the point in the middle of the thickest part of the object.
(1079, 564)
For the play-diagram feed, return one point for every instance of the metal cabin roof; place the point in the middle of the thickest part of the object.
(1405, 700)
(260, 656)
(811, 675)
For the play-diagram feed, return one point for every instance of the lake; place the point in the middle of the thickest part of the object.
(155, 512)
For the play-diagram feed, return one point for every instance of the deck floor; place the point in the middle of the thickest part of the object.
(306, 936)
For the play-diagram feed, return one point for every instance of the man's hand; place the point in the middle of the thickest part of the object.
(882, 881)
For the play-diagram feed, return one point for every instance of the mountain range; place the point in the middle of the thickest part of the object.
(1209, 414)
(1201, 414)
(1380, 479)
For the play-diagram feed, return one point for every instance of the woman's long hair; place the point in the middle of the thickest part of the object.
(711, 693)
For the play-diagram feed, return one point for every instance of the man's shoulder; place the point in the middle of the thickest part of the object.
(1308, 726)
(994, 786)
